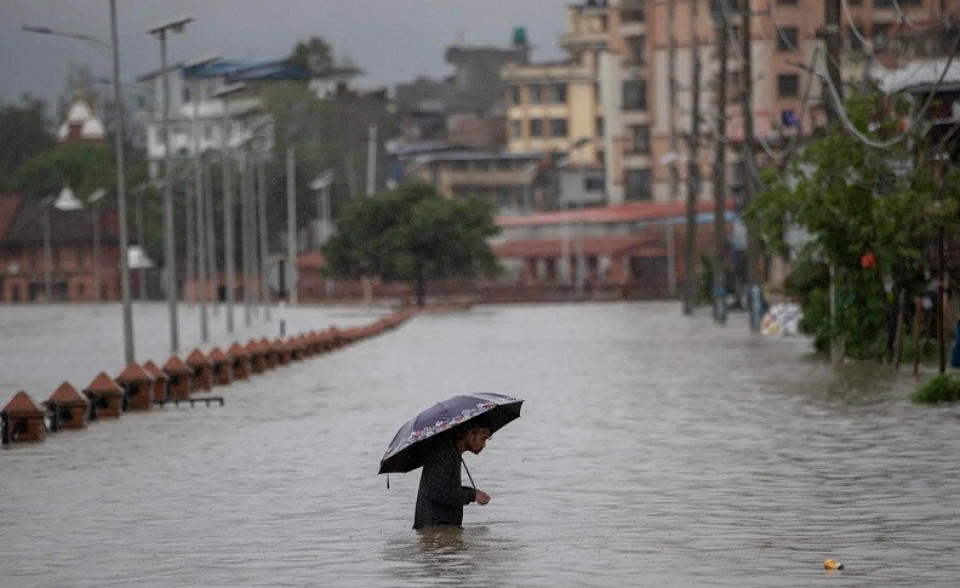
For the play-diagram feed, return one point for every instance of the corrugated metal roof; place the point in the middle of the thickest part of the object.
(620, 213)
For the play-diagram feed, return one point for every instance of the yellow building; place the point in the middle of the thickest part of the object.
(555, 107)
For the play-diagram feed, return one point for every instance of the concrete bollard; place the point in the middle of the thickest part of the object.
(23, 420)
(70, 408)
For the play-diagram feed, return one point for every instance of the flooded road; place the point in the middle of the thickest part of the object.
(653, 450)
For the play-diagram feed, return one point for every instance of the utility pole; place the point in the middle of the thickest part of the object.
(229, 270)
(674, 170)
(372, 160)
(720, 175)
(754, 259)
(693, 173)
(831, 35)
(291, 222)
(672, 111)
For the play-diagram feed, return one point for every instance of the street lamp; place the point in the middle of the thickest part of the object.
(47, 255)
(160, 31)
(228, 259)
(199, 194)
(249, 155)
(114, 47)
(95, 213)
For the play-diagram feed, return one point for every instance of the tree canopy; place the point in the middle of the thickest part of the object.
(413, 234)
(24, 133)
(870, 210)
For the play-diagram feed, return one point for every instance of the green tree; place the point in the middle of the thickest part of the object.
(870, 210)
(24, 133)
(315, 54)
(83, 166)
(413, 234)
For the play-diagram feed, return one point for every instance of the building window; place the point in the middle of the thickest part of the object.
(637, 50)
(186, 95)
(593, 184)
(208, 132)
(787, 2)
(787, 39)
(635, 95)
(557, 93)
(788, 85)
(632, 11)
(536, 96)
(516, 129)
(558, 127)
(513, 96)
(639, 184)
(640, 139)
(599, 123)
(536, 128)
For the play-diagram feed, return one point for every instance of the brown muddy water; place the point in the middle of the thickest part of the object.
(653, 450)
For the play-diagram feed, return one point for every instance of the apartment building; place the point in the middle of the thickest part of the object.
(555, 107)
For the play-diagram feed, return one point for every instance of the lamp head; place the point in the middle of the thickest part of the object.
(96, 195)
(67, 200)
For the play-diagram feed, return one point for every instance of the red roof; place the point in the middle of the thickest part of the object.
(217, 355)
(134, 373)
(237, 350)
(619, 213)
(152, 369)
(66, 394)
(175, 365)
(312, 260)
(22, 404)
(592, 246)
(103, 383)
(197, 358)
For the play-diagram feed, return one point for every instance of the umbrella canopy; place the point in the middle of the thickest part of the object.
(406, 451)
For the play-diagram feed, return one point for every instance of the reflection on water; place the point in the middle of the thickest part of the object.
(653, 450)
(455, 556)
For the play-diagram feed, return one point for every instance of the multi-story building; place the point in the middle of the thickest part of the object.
(555, 107)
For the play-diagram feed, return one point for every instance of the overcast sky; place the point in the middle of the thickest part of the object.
(392, 40)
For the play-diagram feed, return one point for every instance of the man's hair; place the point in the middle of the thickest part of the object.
(471, 425)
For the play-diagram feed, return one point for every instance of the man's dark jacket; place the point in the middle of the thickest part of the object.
(442, 497)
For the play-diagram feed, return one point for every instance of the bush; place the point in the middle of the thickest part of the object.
(942, 388)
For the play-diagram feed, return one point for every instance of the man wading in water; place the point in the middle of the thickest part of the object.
(442, 496)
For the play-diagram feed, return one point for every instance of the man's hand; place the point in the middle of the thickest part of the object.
(482, 497)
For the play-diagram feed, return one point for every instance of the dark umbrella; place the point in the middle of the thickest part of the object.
(409, 445)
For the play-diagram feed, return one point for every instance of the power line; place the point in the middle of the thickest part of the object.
(914, 119)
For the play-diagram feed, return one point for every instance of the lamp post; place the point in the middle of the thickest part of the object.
(47, 255)
(170, 251)
(141, 275)
(228, 258)
(95, 215)
(199, 194)
(114, 47)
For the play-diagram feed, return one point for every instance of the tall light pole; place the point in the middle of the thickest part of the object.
(170, 249)
(199, 194)
(229, 270)
(47, 249)
(95, 217)
(114, 48)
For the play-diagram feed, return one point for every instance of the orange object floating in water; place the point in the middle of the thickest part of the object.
(832, 564)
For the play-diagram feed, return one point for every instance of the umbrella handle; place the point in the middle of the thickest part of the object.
(472, 483)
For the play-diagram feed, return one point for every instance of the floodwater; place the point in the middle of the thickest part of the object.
(653, 450)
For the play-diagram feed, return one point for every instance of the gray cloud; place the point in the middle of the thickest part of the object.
(392, 40)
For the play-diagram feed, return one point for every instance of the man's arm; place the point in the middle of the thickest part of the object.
(438, 475)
